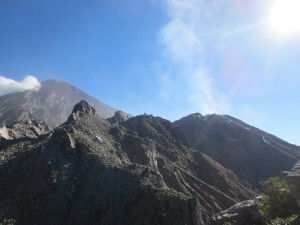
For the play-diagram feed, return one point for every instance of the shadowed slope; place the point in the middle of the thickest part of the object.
(250, 153)
(78, 174)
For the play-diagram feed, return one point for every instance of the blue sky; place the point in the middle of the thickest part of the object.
(169, 58)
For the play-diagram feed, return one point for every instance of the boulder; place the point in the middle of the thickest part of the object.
(119, 117)
(243, 213)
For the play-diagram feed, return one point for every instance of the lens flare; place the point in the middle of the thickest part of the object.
(285, 16)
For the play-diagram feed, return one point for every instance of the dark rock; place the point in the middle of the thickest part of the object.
(142, 170)
(253, 155)
(63, 139)
(181, 167)
(81, 109)
(196, 216)
(70, 177)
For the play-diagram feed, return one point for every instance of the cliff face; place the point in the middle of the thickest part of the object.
(186, 170)
(24, 128)
(253, 155)
(293, 181)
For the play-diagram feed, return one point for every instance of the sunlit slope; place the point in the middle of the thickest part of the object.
(51, 104)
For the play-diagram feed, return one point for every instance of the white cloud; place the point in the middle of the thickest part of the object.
(184, 42)
(10, 86)
(205, 96)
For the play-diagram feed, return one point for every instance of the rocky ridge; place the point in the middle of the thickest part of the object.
(79, 174)
(253, 155)
(243, 213)
(186, 170)
(122, 170)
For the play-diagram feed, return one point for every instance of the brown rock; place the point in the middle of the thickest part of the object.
(243, 213)
(293, 181)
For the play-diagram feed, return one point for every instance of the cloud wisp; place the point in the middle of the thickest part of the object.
(8, 86)
(184, 45)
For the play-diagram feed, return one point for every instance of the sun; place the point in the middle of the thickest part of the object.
(285, 16)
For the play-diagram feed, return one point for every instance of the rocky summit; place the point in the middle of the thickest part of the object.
(134, 170)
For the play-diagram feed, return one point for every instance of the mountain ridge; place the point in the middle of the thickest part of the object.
(114, 171)
(79, 174)
(244, 149)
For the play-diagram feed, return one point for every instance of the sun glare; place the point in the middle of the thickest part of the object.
(285, 16)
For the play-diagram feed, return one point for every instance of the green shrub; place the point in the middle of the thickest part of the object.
(277, 221)
(278, 206)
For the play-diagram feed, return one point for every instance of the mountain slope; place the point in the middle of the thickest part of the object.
(99, 172)
(138, 170)
(184, 169)
(250, 153)
(51, 104)
(79, 174)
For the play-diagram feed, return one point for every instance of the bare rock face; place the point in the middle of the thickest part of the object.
(80, 109)
(149, 140)
(243, 213)
(253, 155)
(131, 171)
(293, 181)
(119, 117)
(196, 216)
(4, 133)
(24, 128)
(82, 173)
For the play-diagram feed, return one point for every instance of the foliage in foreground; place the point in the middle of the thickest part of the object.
(278, 206)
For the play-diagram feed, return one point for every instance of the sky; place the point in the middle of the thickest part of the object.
(169, 58)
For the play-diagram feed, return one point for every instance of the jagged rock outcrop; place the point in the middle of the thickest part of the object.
(24, 128)
(52, 104)
(80, 174)
(253, 155)
(293, 181)
(243, 213)
(119, 117)
(81, 109)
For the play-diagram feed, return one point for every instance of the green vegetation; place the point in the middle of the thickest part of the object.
(278, 205)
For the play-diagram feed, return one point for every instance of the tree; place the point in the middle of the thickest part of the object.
(278, 201)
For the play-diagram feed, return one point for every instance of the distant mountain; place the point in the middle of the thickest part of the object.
(253, 155)
(51, 104)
